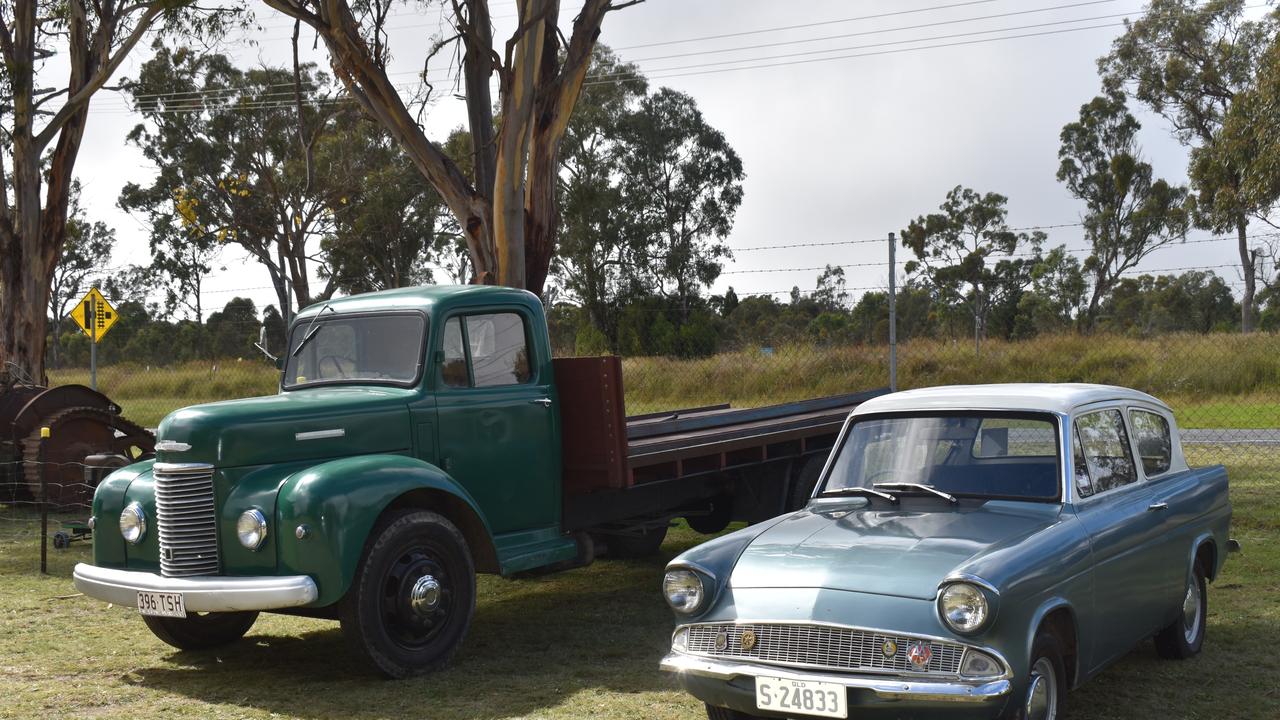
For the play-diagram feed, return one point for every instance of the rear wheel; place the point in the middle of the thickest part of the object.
(802, 490)
(719, 713)
(200, 631)
(1185, 636)
(637, 544)
(413, 595)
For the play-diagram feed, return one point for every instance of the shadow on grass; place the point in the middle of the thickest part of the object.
(533, 644)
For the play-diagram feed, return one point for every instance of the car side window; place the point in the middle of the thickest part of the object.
(1084, 484)
(1155, 445)
(453, 371)
(1105, 445)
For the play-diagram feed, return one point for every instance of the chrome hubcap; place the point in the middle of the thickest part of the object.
(424, 598)
(1191, 613)
(1042, 692)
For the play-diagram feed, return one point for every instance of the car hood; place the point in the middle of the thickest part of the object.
(903, 551)
(312, 423)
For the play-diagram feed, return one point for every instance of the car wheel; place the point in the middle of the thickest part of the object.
(719, 713)
(806, 481)
(1046, 682)
(199, 631)
(639, 544)
(1185, 636)
(413, 595)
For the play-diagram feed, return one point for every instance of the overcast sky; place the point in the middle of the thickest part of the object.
(835, 148)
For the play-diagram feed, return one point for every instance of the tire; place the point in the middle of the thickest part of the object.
(645, 543)
(413, 595)
(61, 541)
(719, 713)
(718, 517)
(201, 631)
(1046, 682)
(1184, 637)
(802, 490)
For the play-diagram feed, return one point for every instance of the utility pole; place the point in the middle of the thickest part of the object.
(893, 317)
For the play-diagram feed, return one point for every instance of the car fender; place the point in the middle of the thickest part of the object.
(1204, 538)
(326, 512)
(1048, 606)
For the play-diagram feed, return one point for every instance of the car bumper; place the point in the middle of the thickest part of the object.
(199, 594)
(729, 683)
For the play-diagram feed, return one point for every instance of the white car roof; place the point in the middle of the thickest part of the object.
(1029, 397)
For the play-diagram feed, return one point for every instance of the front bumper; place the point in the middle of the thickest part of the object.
(694, 672)
(199, 594)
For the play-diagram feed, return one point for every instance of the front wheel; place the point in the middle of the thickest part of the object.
(719, 713)
(200, 631)
(1046, 682)
(1185, 636)
(413, 595)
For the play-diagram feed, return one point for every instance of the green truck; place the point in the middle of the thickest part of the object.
(420, 436)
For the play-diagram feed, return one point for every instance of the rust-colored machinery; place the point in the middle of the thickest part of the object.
(81, 422)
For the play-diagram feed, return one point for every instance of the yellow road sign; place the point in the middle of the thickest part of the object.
(94, 314)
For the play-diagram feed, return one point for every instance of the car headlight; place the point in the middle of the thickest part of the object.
(683, 590)
(251, 528)
(963, 607)
(133, 523)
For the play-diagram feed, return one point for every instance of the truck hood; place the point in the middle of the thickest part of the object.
(905, 551)
(313, 423)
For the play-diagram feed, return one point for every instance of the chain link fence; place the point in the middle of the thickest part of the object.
(1223, 387)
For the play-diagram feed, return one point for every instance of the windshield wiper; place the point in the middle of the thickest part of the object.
(311, 330)
(919, 486)
(855, 490)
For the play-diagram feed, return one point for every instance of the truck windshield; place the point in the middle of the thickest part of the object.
(355, 349)
(971, 455)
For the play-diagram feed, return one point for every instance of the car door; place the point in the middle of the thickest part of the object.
(497, 433)
(1173, 503)
(1113, 507)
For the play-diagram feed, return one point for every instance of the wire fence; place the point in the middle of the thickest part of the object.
(1224, 388)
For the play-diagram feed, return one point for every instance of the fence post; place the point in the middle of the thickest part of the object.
(44, 503)
(893, 318)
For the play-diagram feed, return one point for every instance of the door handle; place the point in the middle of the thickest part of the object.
(1158, 506)
(544, 402)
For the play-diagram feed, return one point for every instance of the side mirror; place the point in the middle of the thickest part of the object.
(262, 346)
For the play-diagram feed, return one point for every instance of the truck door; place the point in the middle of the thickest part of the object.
(497, 424)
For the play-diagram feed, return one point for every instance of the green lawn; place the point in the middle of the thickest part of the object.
(580, 644)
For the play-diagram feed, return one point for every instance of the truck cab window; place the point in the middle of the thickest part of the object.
(499, 351)
(454, 369)
(356, 349)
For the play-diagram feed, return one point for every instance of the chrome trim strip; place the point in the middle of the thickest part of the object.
(172, 446)
(181, 468)
(320, 434)
(972, 580)
(887, 688)
(199, 594)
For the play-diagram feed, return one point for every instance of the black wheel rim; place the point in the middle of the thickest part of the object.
(414, 626)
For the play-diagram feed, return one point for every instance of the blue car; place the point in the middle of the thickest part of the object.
(969, 551)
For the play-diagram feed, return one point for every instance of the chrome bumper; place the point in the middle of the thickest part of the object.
(889, 688)
(199, 594)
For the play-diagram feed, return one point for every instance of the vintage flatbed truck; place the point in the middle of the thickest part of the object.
(420, 436)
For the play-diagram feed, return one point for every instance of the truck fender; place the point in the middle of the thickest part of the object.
(326, 512)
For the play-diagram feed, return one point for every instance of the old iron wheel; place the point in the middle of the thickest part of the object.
(413, 595)
(1184, 637)
(76, 433)
(200, 631)
(719, 713)
(1046, 682)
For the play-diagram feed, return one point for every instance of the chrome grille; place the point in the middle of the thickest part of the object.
(186, 519)
(822, 646)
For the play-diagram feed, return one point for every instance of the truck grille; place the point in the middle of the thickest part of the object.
(822, 646)
(186, 519)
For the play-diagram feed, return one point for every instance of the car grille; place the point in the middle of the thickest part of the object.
(186, 519)
(821, 646)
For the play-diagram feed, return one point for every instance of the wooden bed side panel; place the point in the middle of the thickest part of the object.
(593, 424)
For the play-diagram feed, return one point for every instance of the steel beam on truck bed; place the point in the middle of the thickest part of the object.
(645, 428)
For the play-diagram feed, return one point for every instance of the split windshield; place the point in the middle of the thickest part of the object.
(355, 349)
(971, 455)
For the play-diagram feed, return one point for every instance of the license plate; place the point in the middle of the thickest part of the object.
(161, 604)
(801, 697)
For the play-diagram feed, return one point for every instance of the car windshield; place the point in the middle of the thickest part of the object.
(338, 348)
(993, 455)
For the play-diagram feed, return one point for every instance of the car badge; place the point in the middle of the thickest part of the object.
(172, 446)
(919, 653)
(722, 641)
(889, 648)
(748, 639)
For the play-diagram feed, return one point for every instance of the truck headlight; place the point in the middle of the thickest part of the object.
(963, 607)
(683, 590)
(133, 523)
(251, 528)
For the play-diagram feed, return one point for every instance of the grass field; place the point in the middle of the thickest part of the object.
(580, 644)
(1214, 381)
